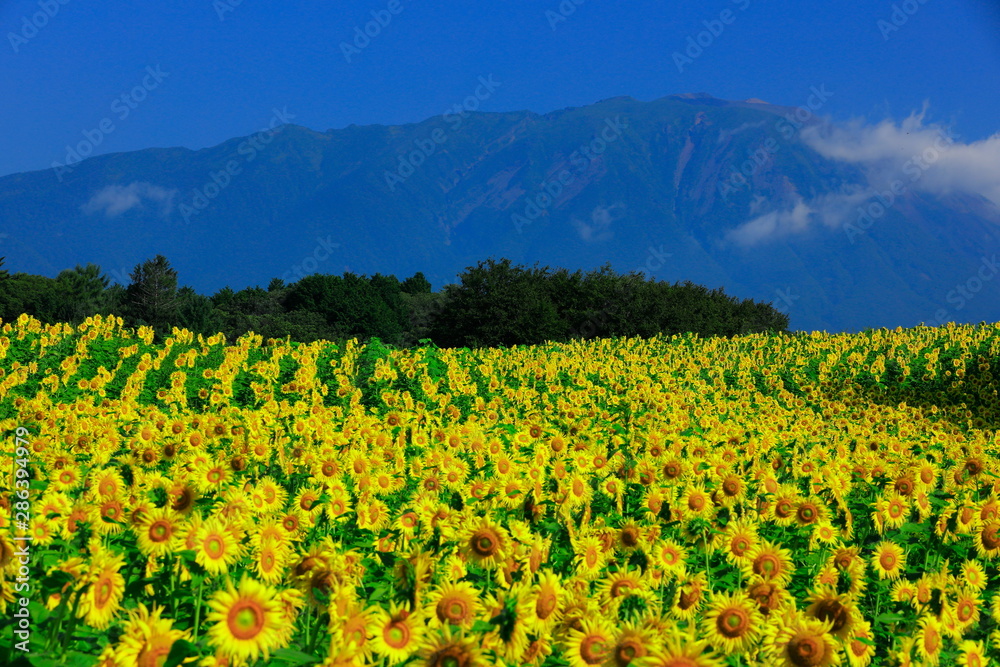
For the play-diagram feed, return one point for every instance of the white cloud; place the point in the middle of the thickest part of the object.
(114, 200)
(925, 157)
(914, 156)
(599, 228)
(775, 223)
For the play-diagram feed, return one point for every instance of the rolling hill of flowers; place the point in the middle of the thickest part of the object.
(806, 501)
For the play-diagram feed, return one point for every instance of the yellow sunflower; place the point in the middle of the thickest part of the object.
(159, 532)
(546, 601)
(768, 561)
(105, 589)
(681, 649)
(592, 644)
(444, 649)
(671, 556)
(731, 623)
(888, 560)
(860, 653)
(147, 638)
(454, 603)
(796, 640)
(929, 639)
(825, 604)
(396, 633)
(217, 545)
(973, 654)
(485, 544)
(248, 620)
(738, 537)
(589, 555)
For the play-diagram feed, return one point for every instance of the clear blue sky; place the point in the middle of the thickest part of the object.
(226, 75)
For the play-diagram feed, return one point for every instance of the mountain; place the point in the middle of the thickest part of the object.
(642, 185)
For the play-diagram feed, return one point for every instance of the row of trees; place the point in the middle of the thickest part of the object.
(495, 303)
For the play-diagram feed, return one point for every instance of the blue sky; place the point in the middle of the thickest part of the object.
(226, 66)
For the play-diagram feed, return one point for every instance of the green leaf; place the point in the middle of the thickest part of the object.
(293, 657)
(180, 650)
(889, 618)
(482, 626)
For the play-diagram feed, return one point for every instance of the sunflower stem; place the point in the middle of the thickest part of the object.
(197, 610)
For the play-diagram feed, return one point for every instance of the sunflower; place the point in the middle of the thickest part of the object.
(589, 555)
(217, 545)
(824, 533)
(270, 562)
(396, 633)
(443, 649)
(681, 649)
(147, 638)
(632, 643)
(894, 510)
(350, 628)
(782, 508)
(860, 653)
(248, 620)
(929, 639)
(107, 484)
(545, 599)
(592, 644)
(810, 510)
(966, 609)
(671, 556)
(629, 537)
(109, 517)
(689, 597)
(974, 575)
(731, 623)
(738, 537)
(888, 560)
(485, 544)
(615, 587)
(825, 604)
(158, 532)
(768, 596)
(454, 603)
(105, 589)
(211, 476)
(987, 540)
(973, 654)
(733, 490)
(770, 562)
(696, 502)
(797, 640)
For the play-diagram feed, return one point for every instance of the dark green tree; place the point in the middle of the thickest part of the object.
(151, 297)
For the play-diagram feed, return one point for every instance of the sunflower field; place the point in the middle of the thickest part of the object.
(798, 501)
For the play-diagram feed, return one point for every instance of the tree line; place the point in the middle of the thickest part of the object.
(495, 303)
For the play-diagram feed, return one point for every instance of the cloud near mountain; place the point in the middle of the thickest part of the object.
(114, 200)
(916, 157)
